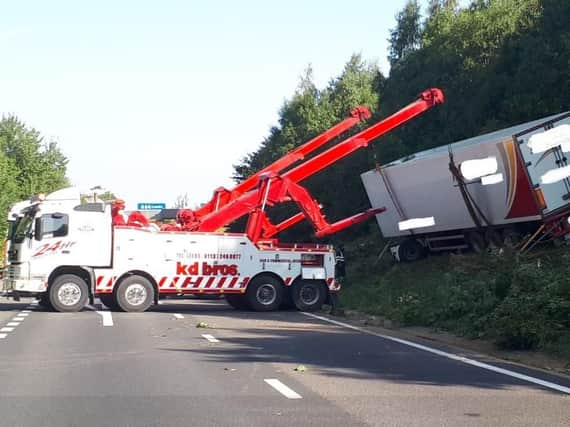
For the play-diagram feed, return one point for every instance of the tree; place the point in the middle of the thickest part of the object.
(28, 166)
(40, 167)
(406, 36)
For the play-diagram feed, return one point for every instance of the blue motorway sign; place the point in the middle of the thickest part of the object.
(150, 206)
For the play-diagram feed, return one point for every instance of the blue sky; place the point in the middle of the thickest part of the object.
(154, 99)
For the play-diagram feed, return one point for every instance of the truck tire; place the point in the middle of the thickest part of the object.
(135, 294)
(476, 242)
(237, 301)
(68, 293)
(109, 301)
(264, 293)
(411, 250)
(308, 295)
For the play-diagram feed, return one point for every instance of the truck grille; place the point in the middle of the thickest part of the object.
(13, 272)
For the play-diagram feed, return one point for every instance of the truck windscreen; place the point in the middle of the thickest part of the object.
(21, 228)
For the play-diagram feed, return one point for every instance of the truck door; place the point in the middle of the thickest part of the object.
(545, 162)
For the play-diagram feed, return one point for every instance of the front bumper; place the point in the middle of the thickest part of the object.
(24, 285)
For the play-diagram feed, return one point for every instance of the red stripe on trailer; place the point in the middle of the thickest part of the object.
(187, 281)
(221, 282)
(161, 281)
(210, 281)
(330, 280)
(99, 280)
(110, 282)
(233, 282)
(244, 282)
(288, 280)
(173, 282)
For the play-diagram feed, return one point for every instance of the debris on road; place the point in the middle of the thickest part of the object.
(300, 368)
(202, 325)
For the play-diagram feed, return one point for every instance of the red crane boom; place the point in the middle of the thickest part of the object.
(274, 188)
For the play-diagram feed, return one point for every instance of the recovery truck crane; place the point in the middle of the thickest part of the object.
(69, 255)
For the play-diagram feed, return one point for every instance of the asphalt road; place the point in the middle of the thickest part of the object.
(97, 368)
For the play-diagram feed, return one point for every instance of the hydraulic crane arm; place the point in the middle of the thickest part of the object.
(223, 196)
(276, 189)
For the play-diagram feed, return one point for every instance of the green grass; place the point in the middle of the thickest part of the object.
(519, 303)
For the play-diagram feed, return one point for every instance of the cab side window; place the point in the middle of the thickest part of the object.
(55, 225)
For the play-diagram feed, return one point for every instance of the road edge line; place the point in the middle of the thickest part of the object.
(447, 355)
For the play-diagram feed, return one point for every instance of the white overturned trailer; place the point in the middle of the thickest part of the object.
(491, 189)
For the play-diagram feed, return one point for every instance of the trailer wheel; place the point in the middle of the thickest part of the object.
(511, 238)
(476, 241)
(264, 293)
(411, 250)
(237, 301)
(109, 301)
(68, 293)
(308, 295)
(135, 294)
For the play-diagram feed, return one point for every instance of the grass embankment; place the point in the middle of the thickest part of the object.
(519, 303)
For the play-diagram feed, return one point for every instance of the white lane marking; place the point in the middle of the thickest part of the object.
(18, 319)
(6, 329)
(13, 324)
(283, 389)
(107, 318)
(106, 315)
(2, 336)
(34, 303)
(26, 311)
(22, 314)
(178, 316)
(452, 356)
(210, 338)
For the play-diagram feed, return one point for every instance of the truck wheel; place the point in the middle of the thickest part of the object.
(309, 295)
(109, 301)
(411, 250)
(237, 301)
(264, 293)
(476, 241)
(511, 238)
(135, 294)
(68, 293)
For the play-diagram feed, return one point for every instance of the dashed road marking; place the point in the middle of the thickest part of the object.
(210, 338)
(106, 315)
(2, 336)
(451, 356)
(22, 314)
(283, 389)
(107, 318)
(18, 319)
(26, 311)
(178, 316)
(13, 324)
(6, 329)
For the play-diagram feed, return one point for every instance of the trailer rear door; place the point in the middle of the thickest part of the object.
(546, 166)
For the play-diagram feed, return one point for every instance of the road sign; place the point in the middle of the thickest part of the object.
(150, 206)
